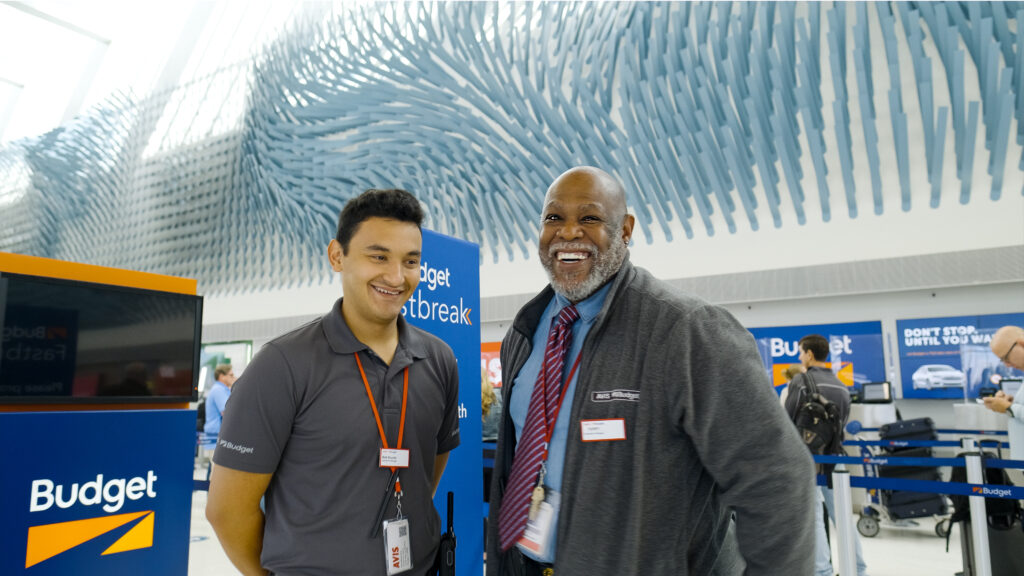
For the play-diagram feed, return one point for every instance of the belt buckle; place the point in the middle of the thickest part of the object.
(548, 572)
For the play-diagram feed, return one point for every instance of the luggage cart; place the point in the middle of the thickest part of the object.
(876, 513)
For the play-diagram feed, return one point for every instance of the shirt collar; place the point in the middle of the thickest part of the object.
(343, 341)
(589, 307)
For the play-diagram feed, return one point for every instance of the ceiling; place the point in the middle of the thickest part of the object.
(58, 58)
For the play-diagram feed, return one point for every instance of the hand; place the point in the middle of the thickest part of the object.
(1002, 394)
(997, 404)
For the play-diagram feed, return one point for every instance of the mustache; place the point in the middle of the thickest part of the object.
(571, 247)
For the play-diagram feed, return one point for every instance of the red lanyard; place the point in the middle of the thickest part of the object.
(549, 424)
(376, 415)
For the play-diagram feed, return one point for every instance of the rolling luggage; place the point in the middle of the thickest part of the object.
(935, 505)
(901, 504)
(914, 472)
(1006, 550)
(916, 429)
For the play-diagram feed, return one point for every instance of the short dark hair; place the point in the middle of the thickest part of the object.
(394, 204)
(817, 345)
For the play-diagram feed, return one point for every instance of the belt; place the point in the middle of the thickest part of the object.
(533, 568)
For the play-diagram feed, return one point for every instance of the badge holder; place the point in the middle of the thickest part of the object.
(397, 544)
(540, 525)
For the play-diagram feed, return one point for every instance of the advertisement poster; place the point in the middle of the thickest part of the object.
(855, 356)
(490, 362)
(950, 357)
(447, 304)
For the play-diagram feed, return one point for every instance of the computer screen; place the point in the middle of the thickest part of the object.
(72, 341)
(875, 392)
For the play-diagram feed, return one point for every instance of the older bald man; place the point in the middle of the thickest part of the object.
(1008, 344)
(639, 420)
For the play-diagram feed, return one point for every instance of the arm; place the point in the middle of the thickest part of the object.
(440, 461)
(763, 470)
(233, 509)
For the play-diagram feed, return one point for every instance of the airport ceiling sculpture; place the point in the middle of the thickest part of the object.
(721, 115)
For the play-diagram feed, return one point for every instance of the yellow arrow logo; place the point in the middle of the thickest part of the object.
(45, 542)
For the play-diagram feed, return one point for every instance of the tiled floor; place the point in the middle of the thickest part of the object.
(896, 551)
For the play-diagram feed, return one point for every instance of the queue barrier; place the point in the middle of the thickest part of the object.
(922, 443)
(953, 431)
(974, 489)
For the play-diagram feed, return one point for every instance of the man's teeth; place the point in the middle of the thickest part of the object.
(390, 292)
(572, 256)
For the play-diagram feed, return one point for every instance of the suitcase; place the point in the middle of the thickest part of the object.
(915, 429)
(934, 506)
(900, 498)
(912, 472)
(1006, 550)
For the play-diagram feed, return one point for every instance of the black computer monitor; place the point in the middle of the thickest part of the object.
(69, 341)
(875, 393)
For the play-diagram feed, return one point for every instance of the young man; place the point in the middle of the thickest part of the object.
(638, 420)
(343, 424)
(814, 351)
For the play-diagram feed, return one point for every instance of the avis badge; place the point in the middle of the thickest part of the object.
(397, 549)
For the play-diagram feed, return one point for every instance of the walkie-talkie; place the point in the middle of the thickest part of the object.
(446, 553)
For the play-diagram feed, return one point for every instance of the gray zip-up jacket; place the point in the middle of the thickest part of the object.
(705, 437)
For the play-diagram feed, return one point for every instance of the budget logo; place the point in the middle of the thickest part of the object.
(49, 540)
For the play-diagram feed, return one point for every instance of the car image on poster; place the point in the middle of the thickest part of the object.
(950, 357)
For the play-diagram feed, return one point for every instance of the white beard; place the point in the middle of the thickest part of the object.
(605, 266)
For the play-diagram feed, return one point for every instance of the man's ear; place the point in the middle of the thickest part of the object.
(627, 228)
(334, 255)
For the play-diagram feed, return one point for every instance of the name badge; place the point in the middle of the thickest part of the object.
(540, 530)
(397, 550)
(392, 457)
(603, 430)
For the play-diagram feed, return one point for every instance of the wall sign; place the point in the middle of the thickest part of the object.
(950, 357)
(855, 356)
(447, 304)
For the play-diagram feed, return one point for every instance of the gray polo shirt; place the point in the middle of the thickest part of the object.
(300, 411)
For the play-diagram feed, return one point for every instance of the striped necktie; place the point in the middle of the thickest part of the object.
(540, 418)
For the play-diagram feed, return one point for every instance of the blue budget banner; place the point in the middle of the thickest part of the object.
(950, 357)
(96, 493)
(855, 350)
(447, 304)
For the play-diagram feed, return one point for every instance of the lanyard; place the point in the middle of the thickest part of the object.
(549, 423)
(376, 415)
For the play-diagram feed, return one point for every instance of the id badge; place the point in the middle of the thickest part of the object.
(397, 548)
(540, 532)
(392, 457)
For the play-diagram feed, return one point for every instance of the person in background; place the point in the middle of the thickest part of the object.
(789, 373)
(491, 408)
(648, 409)
(216, 400)
(343, 424)
(1008, 345)
(814, 351)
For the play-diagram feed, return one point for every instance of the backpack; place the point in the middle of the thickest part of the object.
(201, 414)
(1002, 513)
(819, 422)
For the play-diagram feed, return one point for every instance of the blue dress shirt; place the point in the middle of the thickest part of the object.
(522, 389)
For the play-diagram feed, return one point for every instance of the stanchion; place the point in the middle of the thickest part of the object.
(844, 520)
(979, 516)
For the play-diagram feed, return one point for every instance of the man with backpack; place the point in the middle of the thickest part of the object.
(819, 405)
